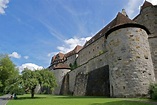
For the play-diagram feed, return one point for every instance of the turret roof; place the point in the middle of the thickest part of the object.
(57, 57)
(61, 66)
(120, 19)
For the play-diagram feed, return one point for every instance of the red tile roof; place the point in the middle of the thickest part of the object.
(120, 19)
(60, 57)
(74, 51)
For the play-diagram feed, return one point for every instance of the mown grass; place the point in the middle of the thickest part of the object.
(70, 100)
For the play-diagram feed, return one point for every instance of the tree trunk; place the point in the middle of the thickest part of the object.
(32, 92)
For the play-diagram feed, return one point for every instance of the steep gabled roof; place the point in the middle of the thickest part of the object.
(74, 51)
(53, 58)
(60, 55)
(120, 19)
(146, 4)
(77, 48)
(57, 57)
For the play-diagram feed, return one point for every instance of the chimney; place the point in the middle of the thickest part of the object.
(124, 12)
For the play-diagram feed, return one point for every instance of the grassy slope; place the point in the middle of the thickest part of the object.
(65, 100)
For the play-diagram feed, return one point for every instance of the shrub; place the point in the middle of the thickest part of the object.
(153, 91)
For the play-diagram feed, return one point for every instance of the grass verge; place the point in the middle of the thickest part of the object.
(70, 100)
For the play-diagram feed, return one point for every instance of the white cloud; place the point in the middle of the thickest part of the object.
(132, 8)
(71, 43)
(51, 54)
(154, 2)
(30, 66)
(26, 57)
(3, 5)
(15, 55)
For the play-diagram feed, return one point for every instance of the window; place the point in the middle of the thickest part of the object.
(146, 57)
(119, 58)
(124, 87)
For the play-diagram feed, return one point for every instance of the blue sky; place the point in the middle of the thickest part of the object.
(32, 31)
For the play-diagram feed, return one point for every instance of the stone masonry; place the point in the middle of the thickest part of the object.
(119, 61)
(130, 63)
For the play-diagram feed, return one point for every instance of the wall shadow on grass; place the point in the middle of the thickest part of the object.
(124, 102)
(73, 97)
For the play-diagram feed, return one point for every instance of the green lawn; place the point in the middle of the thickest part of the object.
(70, 100)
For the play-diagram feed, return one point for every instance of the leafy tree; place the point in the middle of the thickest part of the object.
(153, 91)
(73, 66)
(30, 80)
(14, 85)
(1, 84)
(47, 79)
(33, 78)
(7, 69)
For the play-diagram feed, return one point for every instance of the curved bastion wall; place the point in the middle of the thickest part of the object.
(148, 18)
(59, 75)
(131, 68)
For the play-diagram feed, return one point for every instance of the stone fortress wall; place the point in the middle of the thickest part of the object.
(91, 50)
(91, 65)
(148, 18)
(117, 61)
(130, 63)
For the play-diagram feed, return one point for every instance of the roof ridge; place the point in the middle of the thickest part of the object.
(146, 4)
(120, 19)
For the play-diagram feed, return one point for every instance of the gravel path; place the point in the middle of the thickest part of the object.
(4, 99)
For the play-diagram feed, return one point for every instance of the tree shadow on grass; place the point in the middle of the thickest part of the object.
(4, 98)
(125, 102)
(24, 98)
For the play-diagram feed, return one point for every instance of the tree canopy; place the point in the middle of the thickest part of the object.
(13, 82)
(7, 70)
(31, 79)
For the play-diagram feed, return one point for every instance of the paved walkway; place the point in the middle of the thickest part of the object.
(4, 99)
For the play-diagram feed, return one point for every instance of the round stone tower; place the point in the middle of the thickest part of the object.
(130, 63)
(60, 69)
(59, 75)
(148, 18)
